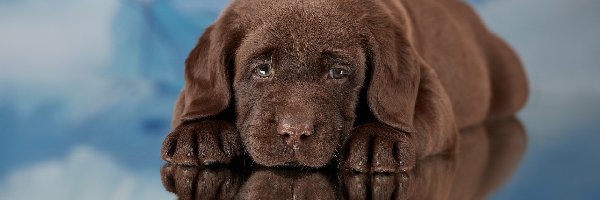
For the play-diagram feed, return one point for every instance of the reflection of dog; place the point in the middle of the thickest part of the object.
(488, 155)
(393, 80)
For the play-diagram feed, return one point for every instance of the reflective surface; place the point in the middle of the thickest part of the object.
(486, 159)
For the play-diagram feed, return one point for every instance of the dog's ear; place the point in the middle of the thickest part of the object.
(207, 90)
(395, 76)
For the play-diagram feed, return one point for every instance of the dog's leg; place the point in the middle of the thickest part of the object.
(377, 147)
(434, 118)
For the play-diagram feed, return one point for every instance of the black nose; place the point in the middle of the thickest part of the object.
(295, 131)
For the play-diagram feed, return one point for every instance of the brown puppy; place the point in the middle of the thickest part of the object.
(386, 81)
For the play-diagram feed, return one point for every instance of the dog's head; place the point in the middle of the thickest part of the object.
(293, 73)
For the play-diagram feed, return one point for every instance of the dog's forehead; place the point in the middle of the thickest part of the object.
(302, 31)
(305, 39)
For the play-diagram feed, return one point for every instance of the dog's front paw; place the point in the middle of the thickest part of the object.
(376, 147)
(202, 143)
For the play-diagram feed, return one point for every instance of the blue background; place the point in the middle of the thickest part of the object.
(88, 86)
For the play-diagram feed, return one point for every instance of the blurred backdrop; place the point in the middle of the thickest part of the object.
(88, 85)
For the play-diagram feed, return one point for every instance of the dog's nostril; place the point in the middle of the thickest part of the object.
(304, 136)
(293, 138)
(294, 131)
(285, 135)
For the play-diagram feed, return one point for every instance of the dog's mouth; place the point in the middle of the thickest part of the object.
(273, 150)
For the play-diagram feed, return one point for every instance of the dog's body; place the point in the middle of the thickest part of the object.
(480, 73)
(404, 76)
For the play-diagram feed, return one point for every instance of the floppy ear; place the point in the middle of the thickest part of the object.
(395, 75)
(207, 90)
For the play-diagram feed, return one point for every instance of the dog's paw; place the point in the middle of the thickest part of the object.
(202, 143)
(379, 148)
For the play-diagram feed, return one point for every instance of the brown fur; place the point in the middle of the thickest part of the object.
(419, 71)
(487, 157)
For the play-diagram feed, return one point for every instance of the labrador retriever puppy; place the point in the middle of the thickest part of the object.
(372, 85)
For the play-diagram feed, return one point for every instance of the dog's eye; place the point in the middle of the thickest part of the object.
(337, 73)
(263, 70)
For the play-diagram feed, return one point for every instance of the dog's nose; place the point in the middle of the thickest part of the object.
(295, 132)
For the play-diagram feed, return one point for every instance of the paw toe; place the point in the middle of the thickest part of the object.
(383, 158)
(405, 156)
(357, 158)
(185, 152)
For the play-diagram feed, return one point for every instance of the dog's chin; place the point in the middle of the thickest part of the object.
(296, 160)
(273, 152)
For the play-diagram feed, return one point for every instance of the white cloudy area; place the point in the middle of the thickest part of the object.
(89, 72)
(84, 173)
(55, 51)
(56, 92)
(559, 43)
